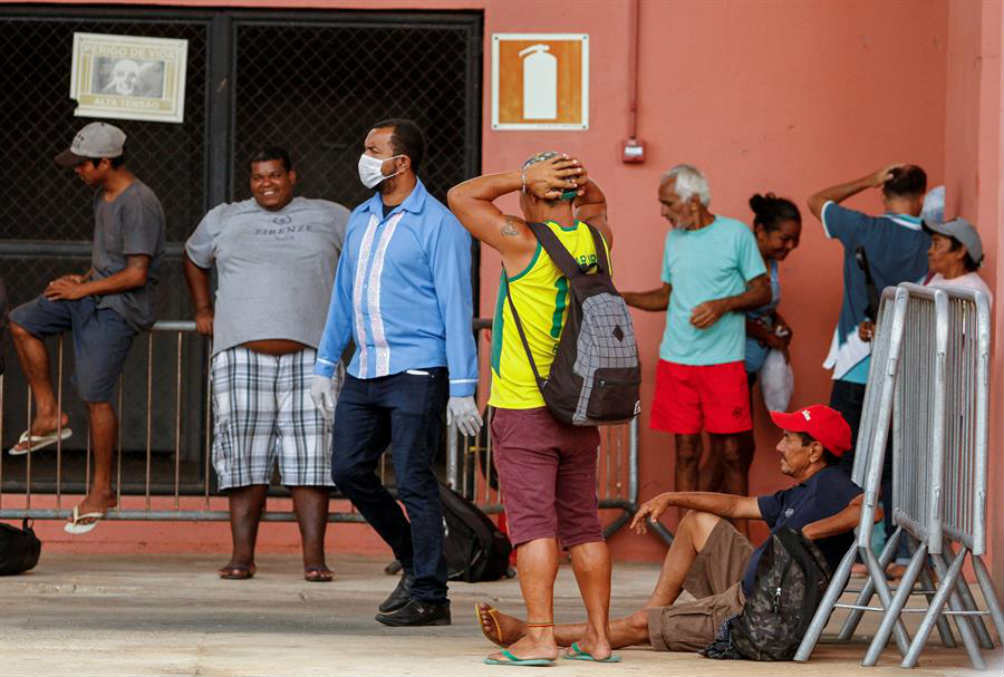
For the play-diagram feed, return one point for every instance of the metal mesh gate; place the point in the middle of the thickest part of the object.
(311, 81)
(334, 81)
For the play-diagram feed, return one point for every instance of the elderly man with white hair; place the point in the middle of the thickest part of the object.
(712, 272)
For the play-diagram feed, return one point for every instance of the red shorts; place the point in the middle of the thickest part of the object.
(689, 399)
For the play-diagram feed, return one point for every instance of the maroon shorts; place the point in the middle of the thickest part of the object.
(689, 399)
(547, 471)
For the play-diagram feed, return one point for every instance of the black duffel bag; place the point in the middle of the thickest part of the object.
(475, 549)
(19, 549)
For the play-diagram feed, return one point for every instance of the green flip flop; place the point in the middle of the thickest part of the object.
(514, 660)
(579, 655)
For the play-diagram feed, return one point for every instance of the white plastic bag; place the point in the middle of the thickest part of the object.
(777, 381)
(933, 211)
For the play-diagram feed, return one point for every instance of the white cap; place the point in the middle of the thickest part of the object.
(96, 140)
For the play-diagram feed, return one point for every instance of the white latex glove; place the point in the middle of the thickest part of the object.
(464, 411)
(324, 392)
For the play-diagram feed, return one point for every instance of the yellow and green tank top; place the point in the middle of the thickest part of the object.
(540, 293)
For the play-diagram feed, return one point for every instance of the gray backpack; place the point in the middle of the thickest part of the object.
(596, 375)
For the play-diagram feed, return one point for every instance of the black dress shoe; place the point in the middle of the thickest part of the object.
(400, 596)
(416, 612)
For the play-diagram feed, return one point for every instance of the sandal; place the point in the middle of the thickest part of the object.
(27, 442)
(81, 523)
(492, 613)
(318, 574)
(508, 658)
(238, 572)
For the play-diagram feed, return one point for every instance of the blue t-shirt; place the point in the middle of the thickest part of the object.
(823, 495)
(896, 246)
(702, 265)
(756, 352)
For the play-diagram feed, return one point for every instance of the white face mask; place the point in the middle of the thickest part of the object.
(370, 172)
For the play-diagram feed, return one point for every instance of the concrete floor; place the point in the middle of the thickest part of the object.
(115, 615)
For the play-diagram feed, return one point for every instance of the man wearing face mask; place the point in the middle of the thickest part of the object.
(403, 295)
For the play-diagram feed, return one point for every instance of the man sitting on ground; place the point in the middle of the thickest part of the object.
(714, 562)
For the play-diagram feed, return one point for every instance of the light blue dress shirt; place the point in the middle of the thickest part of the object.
(403, 294)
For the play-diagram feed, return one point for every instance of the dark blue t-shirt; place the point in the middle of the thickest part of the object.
(823, 495)
(896, 246)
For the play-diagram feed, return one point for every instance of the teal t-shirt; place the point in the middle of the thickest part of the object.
(702, 265)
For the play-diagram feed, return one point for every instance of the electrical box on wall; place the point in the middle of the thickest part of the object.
(633, 152)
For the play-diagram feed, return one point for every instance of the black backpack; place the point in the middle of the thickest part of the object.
(19, 549)
(791, 579)
(475, 549)
(596, 376)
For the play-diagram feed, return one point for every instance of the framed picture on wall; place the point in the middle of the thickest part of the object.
(128, 77)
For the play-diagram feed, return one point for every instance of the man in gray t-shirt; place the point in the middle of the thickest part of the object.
(275, 258)
(133, 223)
(103, 309)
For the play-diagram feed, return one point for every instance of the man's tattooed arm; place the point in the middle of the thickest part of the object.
(509, 227)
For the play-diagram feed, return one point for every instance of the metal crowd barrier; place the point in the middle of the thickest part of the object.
(469, 468)
(956, 498)
(869, 454)
(931, 355)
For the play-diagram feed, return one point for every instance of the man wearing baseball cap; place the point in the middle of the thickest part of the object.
(103, 309)
(710, 559)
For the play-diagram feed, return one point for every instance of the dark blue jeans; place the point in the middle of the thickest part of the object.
(405, 411)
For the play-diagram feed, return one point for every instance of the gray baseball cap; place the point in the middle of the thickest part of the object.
(96, 140)
(964, 232)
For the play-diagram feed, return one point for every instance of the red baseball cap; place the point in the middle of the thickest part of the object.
(823, 423)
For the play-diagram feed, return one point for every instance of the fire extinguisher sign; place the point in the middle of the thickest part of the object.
(540, 81)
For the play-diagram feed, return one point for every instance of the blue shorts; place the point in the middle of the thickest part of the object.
(101, 340)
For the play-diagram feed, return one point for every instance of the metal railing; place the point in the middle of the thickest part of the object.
(159, 500)
(469, 466)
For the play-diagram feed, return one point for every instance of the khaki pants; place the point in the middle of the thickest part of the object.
(715, 579)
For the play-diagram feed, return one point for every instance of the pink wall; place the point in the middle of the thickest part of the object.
(776, 97)
(974, 170)
(783, 95)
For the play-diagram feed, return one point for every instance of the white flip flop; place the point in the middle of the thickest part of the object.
(37, 442)
(75, 527)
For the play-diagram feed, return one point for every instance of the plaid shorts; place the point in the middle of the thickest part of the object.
(264, 413)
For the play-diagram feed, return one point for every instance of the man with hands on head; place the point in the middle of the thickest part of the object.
(548, 468)
(275, 256)
(895, 245)
(104, 309)
(712, 272)
(403, 295)
(710, 559)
